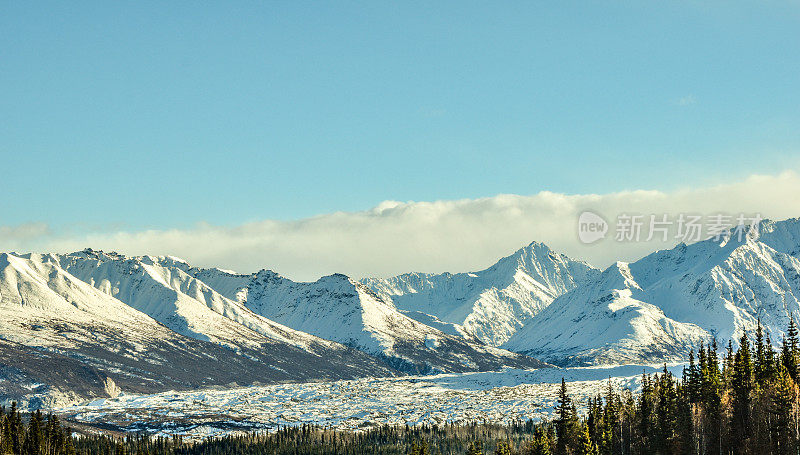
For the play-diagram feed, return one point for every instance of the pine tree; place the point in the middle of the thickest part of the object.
(760, 363)
(541, 444)
(783, 404)
(566, 420)
(645, 413)
(585, 446)
(665, 410)
(502, 448)
(475, 448)
(789, 354)
(742, 388)
(15, 431)
(32, 444)
(711, 385)
(691, 380)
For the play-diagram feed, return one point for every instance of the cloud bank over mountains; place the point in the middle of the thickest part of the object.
(396, 237)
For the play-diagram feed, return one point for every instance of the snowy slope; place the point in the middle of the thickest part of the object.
(606, 322)
(783, 236)
(62, 339)
(153, 323)
(708, 289)
(338, 308)
(35, 288)
(161, 289)
(491, 304)
(725, 286)
(165, 289)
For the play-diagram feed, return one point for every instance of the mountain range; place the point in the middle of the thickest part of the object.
(90, 323)
(658, 307)
(145, 324)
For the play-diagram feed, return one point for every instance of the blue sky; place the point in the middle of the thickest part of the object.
(161, 115)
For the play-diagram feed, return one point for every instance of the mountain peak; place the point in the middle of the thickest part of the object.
(338, 281)
(783, 236)
(96, 254)
(526, 256)
(266, 276)
(618, 276)
(536, 243)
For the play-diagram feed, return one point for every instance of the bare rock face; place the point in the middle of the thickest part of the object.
(111, 388)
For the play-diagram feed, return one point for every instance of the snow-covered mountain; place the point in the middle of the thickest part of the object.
(338, 308)
(606, 321)
(152, 323)
(656, 308)
(491, 304)
(91, 323)
(62, 338)
(160, 288)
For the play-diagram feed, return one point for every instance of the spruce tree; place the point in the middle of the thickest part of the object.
(32, 445)
(585, 446)
(792, 337)
(645, 413)
(727, 364)
(541, 443)
(609, 439)
(475, 448)
(760, 362)
(790, 350)
(16, 432)
(692, 380)
(684, 423)
(665, 411)
(502, 448)
(4, 434)
(770, 366)
(782, 408)
(742, 388)
(566, 420)
(711, 386)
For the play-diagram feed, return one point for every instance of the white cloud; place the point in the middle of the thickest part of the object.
(397, 237)
(686, 100)
(23, 233)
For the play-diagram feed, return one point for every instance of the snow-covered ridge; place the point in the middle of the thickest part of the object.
(491, 304)
(161, 288)
(132, 326)
(673, 299)
(338, 308)
(606, 322)
(131, 319)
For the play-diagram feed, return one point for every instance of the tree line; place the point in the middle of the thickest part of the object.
(742, 401)
(39, 436)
